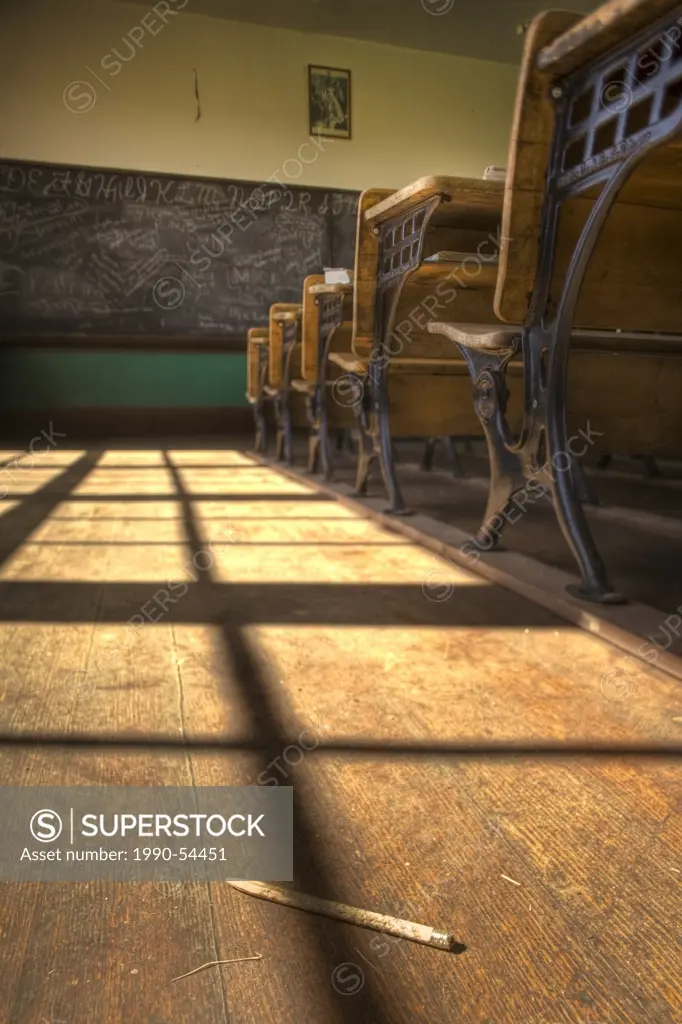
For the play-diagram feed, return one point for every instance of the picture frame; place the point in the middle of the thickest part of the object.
(329, 102)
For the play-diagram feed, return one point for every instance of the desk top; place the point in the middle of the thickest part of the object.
(597, 33)
(287, 316)
(327, 289)
(465, 197)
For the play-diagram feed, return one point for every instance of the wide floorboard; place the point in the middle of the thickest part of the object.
(473, 763)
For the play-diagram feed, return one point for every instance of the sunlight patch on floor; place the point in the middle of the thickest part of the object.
(478, 683)
(7, 506)
(21, 480)
(101, 563)
(80, 677)
(290, 531)
(281, 510)
(111, 481)
(117, 458)
(43, 456)
(111, 530)
(229, 481)
(349, 563)
(119, 511)
(211, 457)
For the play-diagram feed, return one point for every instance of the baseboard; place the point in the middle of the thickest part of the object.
(21, 425)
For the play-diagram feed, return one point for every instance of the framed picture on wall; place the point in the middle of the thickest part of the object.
(329, 102)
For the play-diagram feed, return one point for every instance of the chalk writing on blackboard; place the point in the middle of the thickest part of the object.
(112, 252)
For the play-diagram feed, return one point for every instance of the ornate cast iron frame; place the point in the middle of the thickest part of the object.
(260, 442)
(401, 244)
(579, 160)
(330, 316)
(284, 448)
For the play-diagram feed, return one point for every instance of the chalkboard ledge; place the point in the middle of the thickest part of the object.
(146, 343)
(106, 423)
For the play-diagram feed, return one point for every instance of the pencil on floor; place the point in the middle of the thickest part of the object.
(427, 936)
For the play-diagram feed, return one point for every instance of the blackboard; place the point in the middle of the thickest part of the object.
(101, 253)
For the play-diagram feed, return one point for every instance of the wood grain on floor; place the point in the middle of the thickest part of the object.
(559, 869)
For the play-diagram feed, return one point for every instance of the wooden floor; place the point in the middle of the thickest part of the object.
(475, 765)
(637, 524)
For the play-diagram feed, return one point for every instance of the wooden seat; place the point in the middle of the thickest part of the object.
(351, 363)
(501, 337)
(304, 387)
(483, 337)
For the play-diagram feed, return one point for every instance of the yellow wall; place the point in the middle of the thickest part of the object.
(414, 113)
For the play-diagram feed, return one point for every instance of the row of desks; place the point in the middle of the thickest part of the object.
(469, 296)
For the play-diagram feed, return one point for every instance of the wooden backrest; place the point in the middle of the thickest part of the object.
(256, 339)
(279, 311)
(456, 292)
(632, 281)
(366, 263)
(310, 330)
(342, 339)
(309, 327)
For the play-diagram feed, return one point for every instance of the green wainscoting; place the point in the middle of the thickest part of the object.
(60, 379)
